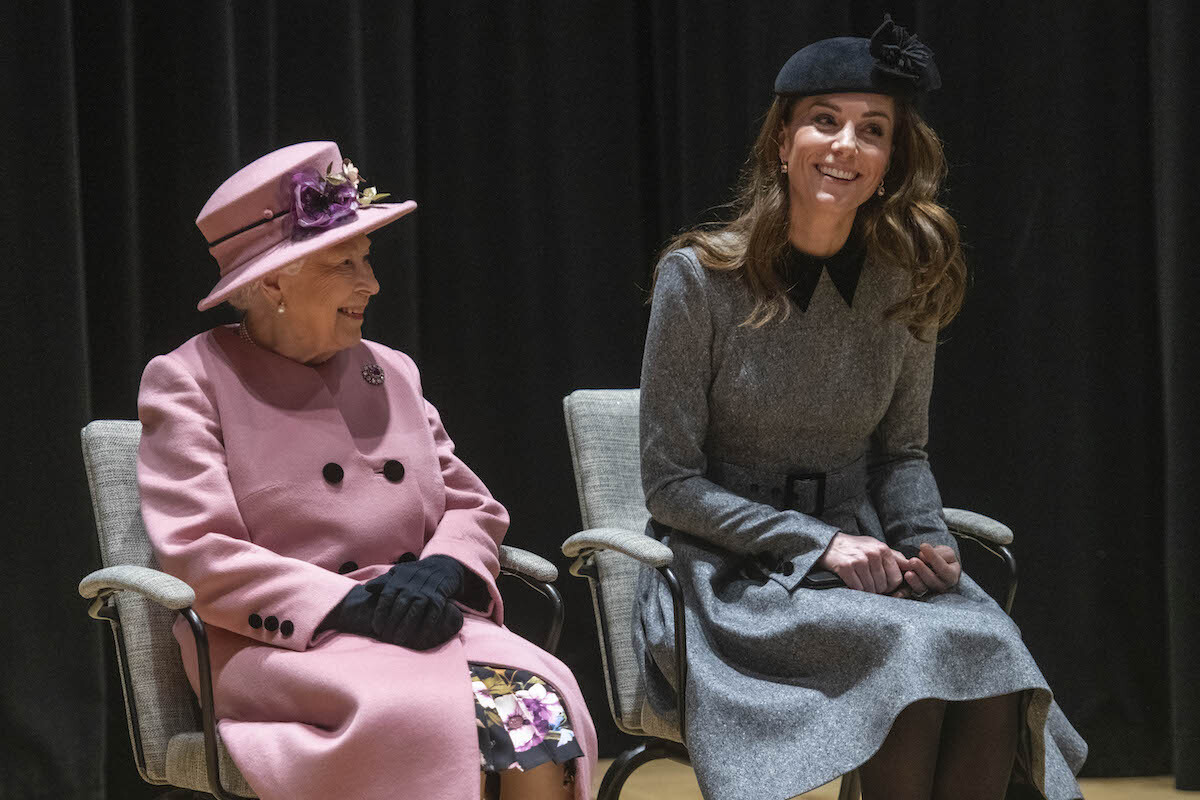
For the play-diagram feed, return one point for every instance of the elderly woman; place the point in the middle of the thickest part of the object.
(343, 557)
(785, 395)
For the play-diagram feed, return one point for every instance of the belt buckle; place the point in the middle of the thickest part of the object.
(789, 492)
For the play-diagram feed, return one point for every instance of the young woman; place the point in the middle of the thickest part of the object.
(784, 414)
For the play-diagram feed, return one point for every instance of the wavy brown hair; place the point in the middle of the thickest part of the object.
(907, 227)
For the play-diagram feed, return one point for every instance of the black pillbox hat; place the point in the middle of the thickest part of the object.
(892, 61)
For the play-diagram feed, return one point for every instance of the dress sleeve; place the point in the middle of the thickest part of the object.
(900, 481)
(677, 373)
(472, 526)
(197, 531)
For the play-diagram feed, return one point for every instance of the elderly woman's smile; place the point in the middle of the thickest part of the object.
(311, 311)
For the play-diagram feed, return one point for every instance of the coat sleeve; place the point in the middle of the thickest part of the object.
(677, 373)
(900, 481)
(197, 531)
(473, 524)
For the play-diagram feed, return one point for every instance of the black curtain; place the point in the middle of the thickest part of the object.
(553, 148)
(1177, 241)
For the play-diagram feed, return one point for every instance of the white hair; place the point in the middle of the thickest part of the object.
(242, 297)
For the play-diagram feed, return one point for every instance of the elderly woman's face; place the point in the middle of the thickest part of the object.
(325, 300)
(837, 148)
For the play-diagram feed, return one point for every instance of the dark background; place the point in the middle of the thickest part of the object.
(553, 148)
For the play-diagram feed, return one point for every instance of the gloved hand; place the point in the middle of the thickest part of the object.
(353, 614)
(414, 602)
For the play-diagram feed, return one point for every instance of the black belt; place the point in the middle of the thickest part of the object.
(807, 492)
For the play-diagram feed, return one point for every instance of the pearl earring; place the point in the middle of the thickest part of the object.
(783, 167)
(879, 191)
(282, 308)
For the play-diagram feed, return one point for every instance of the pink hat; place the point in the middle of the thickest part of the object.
(287, 204)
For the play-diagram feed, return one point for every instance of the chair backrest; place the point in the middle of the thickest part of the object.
(602, 427)
(159, 702)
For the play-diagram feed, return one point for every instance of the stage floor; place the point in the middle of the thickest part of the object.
(666, 780)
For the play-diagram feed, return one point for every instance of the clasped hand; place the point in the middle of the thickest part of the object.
(412, 604)
(869, 565)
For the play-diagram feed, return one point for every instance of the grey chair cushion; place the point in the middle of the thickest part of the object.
(162, 705)
(185, 766)
(602, 428)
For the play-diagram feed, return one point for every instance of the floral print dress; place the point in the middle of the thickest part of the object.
(521, 722)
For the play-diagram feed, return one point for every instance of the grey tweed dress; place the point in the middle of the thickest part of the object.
(790, 687)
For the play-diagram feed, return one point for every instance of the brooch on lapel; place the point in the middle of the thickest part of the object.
(373, 374)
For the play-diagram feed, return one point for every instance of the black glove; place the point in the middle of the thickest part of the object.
(414, 602)
(353, 614)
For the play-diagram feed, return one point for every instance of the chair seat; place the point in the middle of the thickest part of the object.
(656, 726)
(185, 765)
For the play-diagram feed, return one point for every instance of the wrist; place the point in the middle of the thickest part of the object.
(453, 573)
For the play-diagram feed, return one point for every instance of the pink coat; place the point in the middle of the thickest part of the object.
(266, 485)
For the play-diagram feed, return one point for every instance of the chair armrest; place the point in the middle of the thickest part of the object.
(645, 549)
(525, 564)
(164, 589)
(977, 526)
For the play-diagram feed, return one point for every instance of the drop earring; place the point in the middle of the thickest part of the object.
(879, 191)
(281, 308)
(783, 167)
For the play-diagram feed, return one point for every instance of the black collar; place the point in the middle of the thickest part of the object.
(801, 272)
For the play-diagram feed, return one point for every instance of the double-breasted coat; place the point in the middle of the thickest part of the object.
(272, 487)
(790, 687)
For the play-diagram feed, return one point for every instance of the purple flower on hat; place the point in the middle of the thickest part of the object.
(318, 204)
(900, 53)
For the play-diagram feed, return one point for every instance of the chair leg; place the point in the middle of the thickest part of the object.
(627, 762)
(850, 787)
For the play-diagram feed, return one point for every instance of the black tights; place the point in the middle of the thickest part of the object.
(938, 751)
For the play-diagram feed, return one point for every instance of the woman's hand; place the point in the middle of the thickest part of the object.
(415, 605)
(353, 614)
(936, 569)
(864, 563)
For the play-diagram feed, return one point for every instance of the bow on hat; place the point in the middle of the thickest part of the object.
(900, 53)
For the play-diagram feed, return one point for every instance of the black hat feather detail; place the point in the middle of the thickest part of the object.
(892, 61)
(902, 54)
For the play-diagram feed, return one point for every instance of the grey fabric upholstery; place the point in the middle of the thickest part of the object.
(602, 428)
(162, 705)
(968, 523)
(166, 590)
(514, 559)
(650, 552)
(185, 765)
